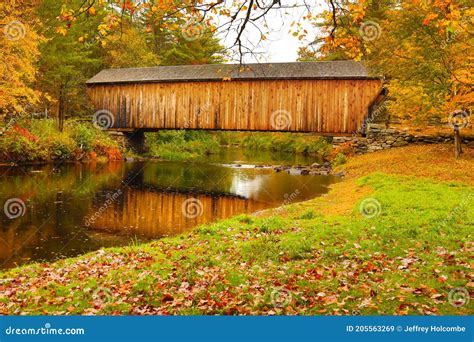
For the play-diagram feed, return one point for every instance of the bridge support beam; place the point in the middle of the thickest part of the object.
(136, 140)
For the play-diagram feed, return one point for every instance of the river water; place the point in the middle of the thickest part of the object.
(60, 210)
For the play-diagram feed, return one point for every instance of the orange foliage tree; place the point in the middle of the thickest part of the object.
(423, 48)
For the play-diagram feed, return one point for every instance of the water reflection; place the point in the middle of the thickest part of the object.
(73, 208)
(243, 156)
(153, 214)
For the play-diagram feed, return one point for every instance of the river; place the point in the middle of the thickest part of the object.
(53, 211)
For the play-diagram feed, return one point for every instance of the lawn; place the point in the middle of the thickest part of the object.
(394, 237)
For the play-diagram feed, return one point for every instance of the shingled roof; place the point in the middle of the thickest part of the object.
(218, 72)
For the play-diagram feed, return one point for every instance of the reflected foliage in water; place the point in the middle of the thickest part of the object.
(74, 208)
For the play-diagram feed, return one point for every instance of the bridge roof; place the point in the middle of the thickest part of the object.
(219, 72)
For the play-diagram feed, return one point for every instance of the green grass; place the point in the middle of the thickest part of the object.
(188, 145)
(403, 260)
(180, 144)
(287, 142)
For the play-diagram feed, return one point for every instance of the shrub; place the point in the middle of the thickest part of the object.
(44, 128)
(19, 145)
(40, 140)
(83, 134)
(339, 159)
(62, 147)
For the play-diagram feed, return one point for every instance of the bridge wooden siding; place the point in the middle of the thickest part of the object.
(298, 102)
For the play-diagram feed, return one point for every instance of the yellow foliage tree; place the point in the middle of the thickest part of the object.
(19, 53)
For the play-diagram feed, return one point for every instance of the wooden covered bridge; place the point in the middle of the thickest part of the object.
(322, 97)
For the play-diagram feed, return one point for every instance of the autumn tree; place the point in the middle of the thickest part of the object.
(128, 48)
(424, 51)
(420, 47)
(66, 63)
(344, 28)
(19, 53)
(226, 18)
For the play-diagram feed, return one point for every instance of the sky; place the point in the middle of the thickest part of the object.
(280, 46)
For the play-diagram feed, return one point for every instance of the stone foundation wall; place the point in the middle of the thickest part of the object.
(120, 138)
(381, 138)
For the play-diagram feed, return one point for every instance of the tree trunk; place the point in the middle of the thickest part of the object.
(457, 143)
(61, 110)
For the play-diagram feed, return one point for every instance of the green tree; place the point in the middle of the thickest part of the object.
(204, 50)
(128, 48)
(178, 38)
(66, 61)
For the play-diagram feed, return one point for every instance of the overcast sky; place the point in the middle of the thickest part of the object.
(280, 46)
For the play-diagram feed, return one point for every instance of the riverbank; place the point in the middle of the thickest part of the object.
(190, 145)
(40, 140)
(393, 237)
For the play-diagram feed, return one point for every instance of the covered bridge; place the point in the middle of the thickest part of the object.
(323, 97)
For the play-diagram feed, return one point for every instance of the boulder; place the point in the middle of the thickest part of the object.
(305, 171)
(339, 140)
(400, 143)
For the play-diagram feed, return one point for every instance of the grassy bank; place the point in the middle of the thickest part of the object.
(188, 145)
(394, 237)
(181, 144)
(309, 144)
(41, 140)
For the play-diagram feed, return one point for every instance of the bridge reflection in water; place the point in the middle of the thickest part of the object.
(73, 208)
(155, 214)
